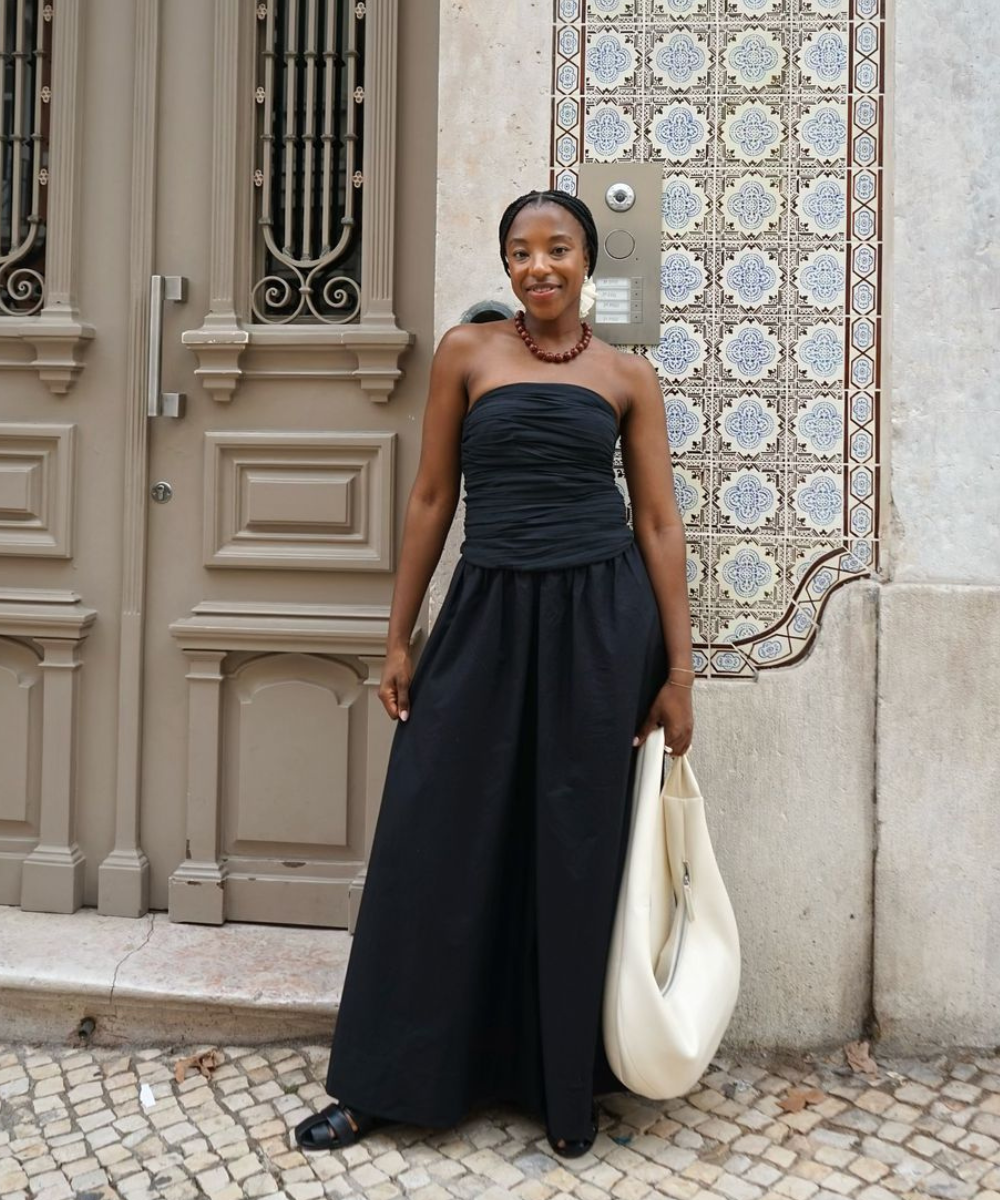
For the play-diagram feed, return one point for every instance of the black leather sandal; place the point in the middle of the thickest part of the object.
(574, 1147)
(336, 1126)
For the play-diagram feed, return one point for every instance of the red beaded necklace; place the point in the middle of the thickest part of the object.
(549, 355)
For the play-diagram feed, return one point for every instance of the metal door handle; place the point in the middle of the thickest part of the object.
(162, 404)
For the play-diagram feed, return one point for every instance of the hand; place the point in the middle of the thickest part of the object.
(394, 687)
(672, 709)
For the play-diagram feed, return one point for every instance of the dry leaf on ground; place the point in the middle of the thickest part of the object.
(206, 1062)
(860, 1060)
(798, 1098)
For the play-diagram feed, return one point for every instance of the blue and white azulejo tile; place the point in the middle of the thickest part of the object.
(821, 278)
(819, 425)
(749, 425)
(679, 8)
(611, 60)
(751, 278)
(750, 351)
(684, 205)
(822, 131)
(685, 423)
(680, 352)
(682, 277)
(754, 59)
(609, 133)
(679, 132)
(752, 204)
(747, 499)
(819, 501)
(680, 60)
(746, 572)
(820, 353)
(752, 8)
(823, 59)
(821, 206)
(610, 10)
(753, 132)
(689, 494)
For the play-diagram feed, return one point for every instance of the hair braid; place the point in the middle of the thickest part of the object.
(573, 205)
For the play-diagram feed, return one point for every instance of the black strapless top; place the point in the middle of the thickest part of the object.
(540, 491)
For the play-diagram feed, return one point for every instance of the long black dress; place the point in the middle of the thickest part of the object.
(477, 965)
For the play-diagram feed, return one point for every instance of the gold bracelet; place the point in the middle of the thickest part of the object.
(685, 670)
(674, 683)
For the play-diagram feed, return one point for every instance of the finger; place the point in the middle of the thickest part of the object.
(389, 695)
(645, 730)
(403, 701)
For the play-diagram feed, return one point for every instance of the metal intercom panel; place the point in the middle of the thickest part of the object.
(626, 199)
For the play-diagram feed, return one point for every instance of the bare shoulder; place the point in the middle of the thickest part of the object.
(638, 374)
(473, 336)
(464, 345)
(634, 380)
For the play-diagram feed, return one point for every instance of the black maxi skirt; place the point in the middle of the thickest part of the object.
(477, 966)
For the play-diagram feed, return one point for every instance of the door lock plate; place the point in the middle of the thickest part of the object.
(161, 492)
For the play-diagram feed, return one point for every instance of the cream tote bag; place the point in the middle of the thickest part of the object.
(673, 970)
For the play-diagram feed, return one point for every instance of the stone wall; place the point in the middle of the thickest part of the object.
(852, 795)
(937, 880)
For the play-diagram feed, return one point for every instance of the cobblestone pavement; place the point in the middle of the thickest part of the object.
(102, 1123)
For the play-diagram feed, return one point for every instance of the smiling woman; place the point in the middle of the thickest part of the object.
(477, 970)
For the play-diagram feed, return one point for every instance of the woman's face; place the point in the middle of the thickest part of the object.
(547, 258)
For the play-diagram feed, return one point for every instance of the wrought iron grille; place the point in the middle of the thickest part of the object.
(309, 100)
(25, 37)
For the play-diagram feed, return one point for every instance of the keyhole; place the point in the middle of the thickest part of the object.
(161, 492)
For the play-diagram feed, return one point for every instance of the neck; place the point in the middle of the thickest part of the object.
(565, 327)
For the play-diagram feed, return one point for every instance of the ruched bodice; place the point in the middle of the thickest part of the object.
(538, 461)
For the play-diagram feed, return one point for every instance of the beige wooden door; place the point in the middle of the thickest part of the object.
(202, 649)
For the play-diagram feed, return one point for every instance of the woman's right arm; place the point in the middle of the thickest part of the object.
(429, 510)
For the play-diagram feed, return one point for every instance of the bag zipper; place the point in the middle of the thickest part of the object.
(685, 912)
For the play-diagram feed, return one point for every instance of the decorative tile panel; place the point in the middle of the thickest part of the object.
(767, 116)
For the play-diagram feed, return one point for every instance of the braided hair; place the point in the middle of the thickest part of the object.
(572, 204)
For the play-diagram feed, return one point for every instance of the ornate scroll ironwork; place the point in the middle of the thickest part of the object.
(309, 98)
(25, 92)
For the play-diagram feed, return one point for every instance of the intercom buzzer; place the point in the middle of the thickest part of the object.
(625, 199)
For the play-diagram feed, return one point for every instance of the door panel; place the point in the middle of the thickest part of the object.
(301, 718)
(225, 639)
(282, 529)
(321, 500)
(20, 762)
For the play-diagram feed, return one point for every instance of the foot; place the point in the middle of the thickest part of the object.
(574, 1147)
(336, 1126)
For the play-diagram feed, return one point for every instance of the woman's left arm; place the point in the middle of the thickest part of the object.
(659, 531)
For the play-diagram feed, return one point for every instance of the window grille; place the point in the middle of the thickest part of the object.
(309, 100)
(25, 92)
